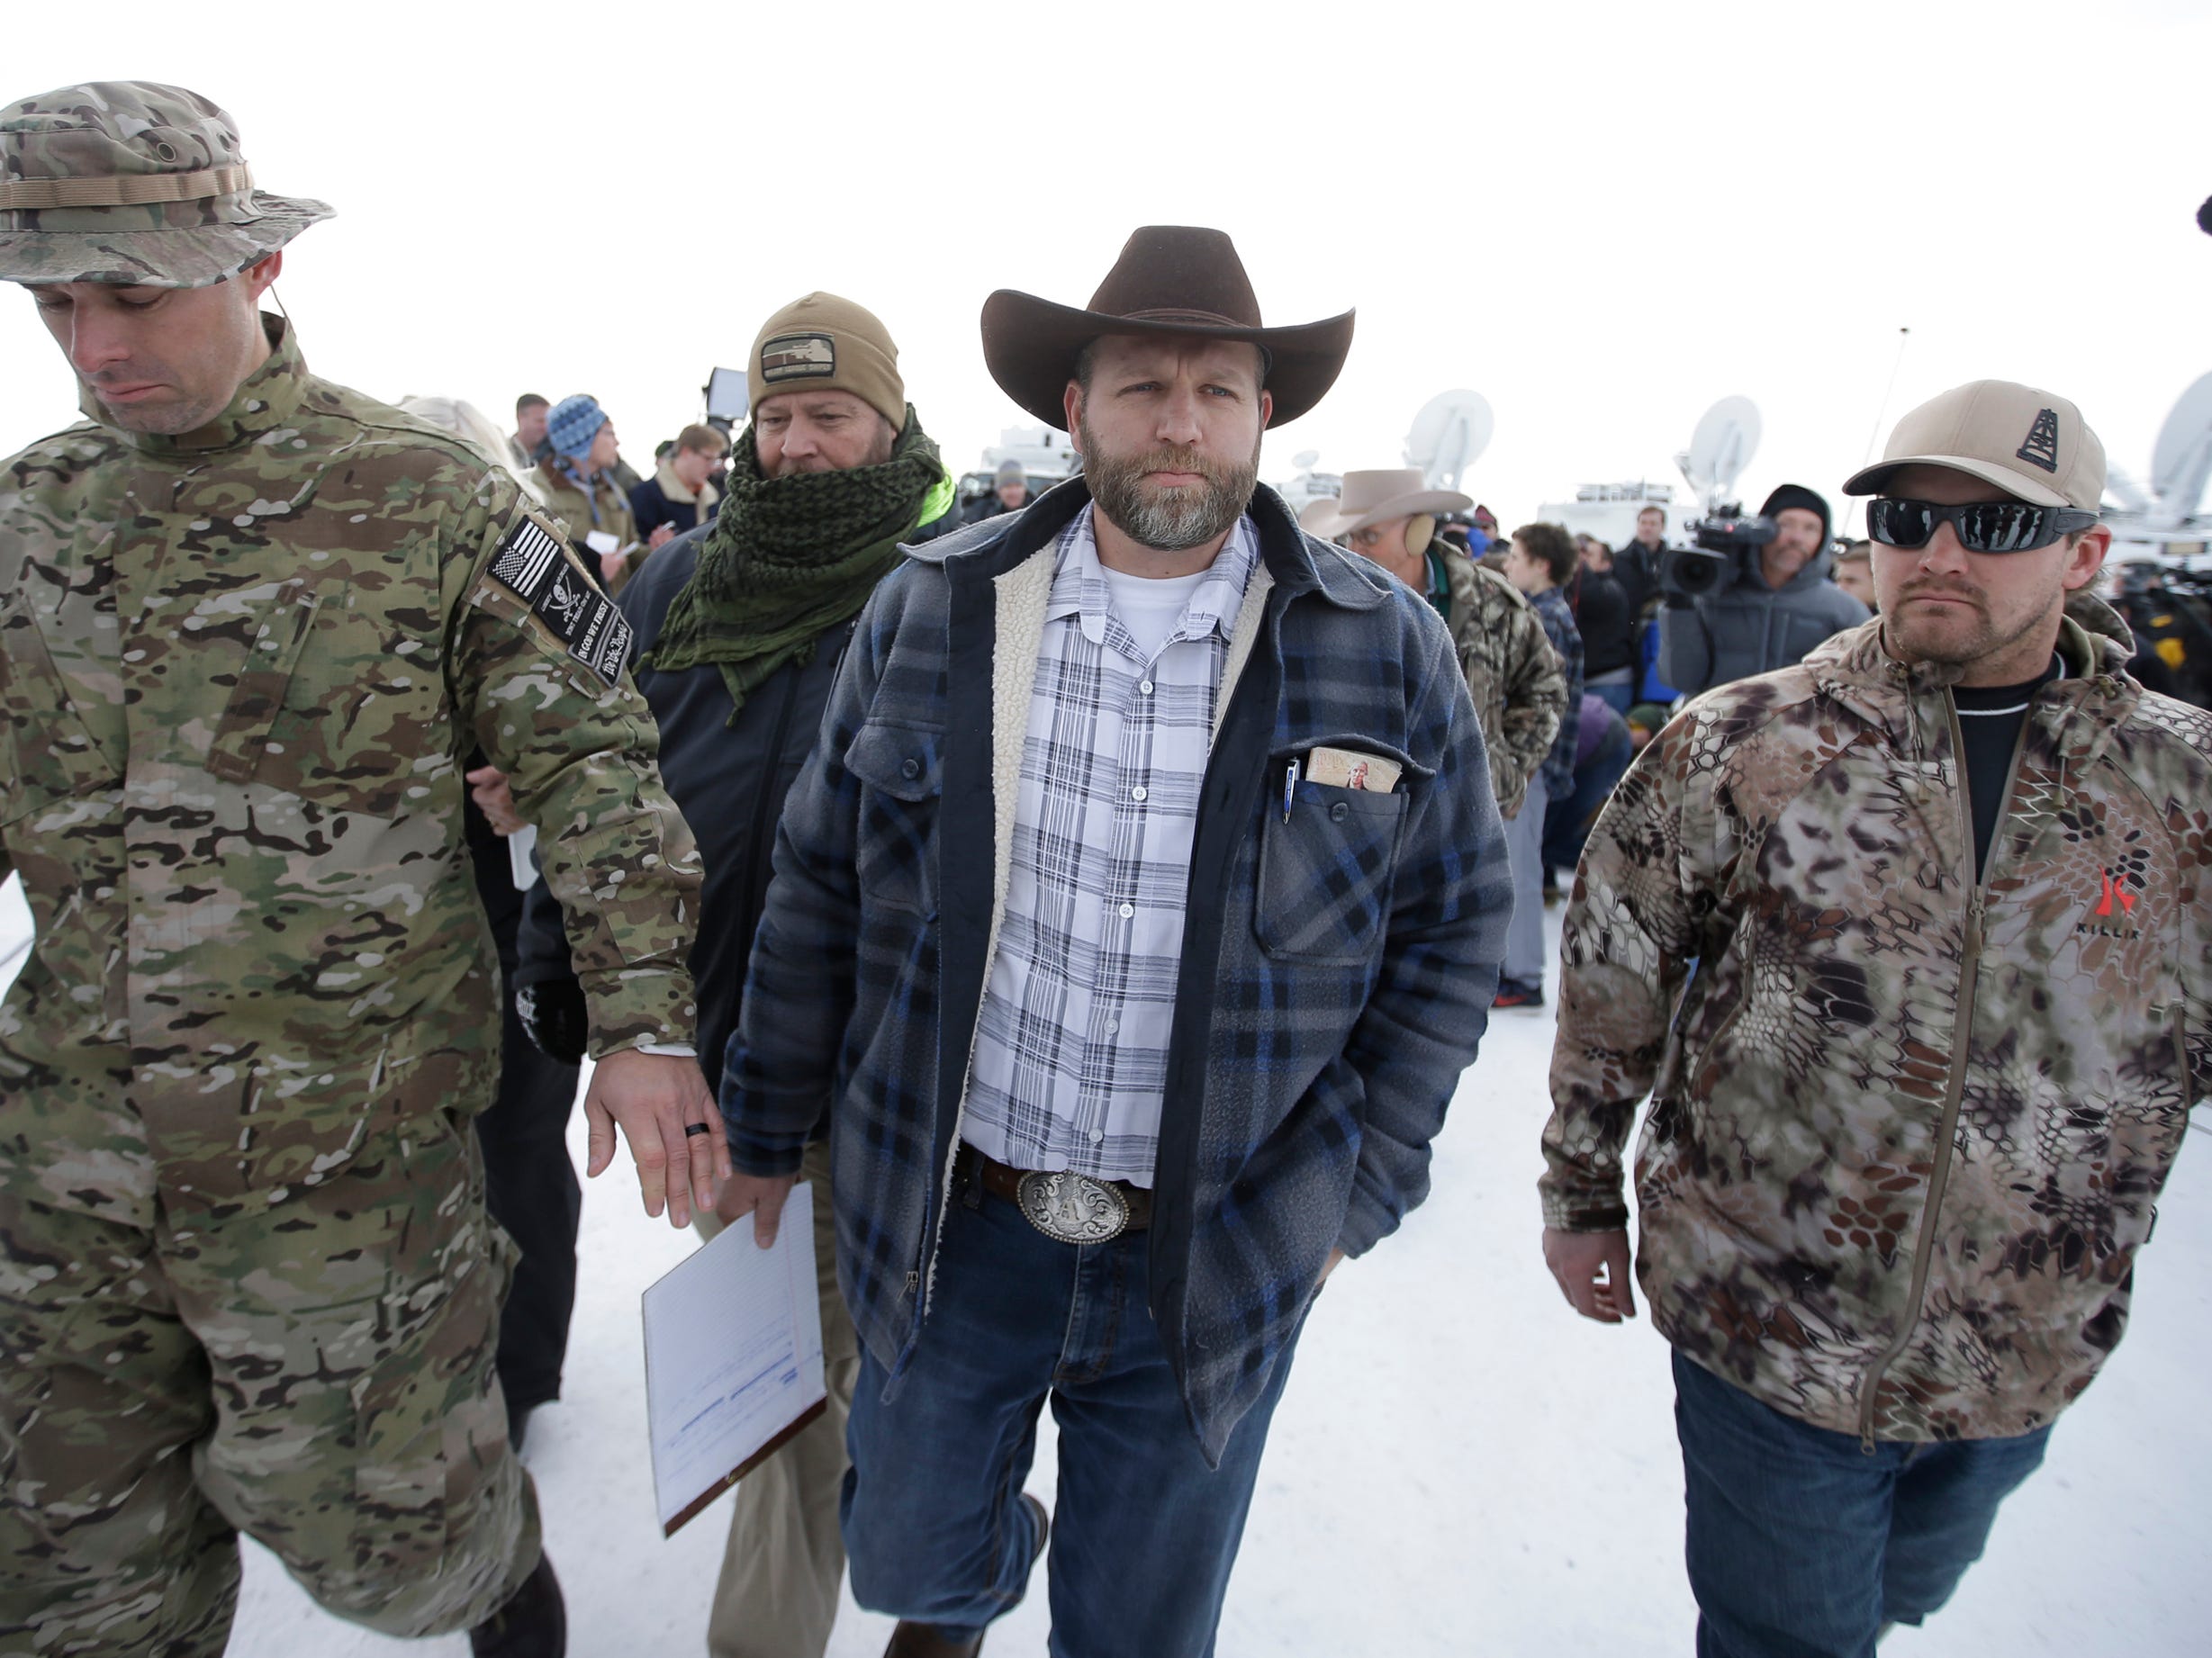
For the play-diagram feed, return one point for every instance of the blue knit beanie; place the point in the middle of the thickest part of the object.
(571, 426)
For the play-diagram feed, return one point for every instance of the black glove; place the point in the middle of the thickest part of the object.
(554, 1014)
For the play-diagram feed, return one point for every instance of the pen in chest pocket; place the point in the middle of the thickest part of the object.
(1290, 788)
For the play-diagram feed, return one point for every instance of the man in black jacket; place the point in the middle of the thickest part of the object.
(1636, 566)
(681, 495)
(529, 1179)
(1010, 493)
(1609, 628)
(740, 626)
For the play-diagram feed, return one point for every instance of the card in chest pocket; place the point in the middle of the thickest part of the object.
(1343, 768)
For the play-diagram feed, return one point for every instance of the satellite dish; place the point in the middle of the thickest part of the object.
(2120, 487)
(1449, 436)
(2182, 459)
(1305, 458)
(1720, 449)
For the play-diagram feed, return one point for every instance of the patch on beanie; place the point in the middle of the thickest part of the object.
(799, 357)
(2041, 449)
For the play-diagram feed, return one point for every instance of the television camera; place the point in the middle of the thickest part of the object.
(1718, 542)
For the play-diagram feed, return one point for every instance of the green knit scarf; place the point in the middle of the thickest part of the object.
(789, 558)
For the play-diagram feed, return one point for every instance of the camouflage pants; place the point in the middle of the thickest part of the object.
(317, 1372)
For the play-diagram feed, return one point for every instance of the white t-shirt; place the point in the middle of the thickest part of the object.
(1149, 606)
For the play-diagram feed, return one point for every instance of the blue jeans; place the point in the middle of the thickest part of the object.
(1524, 856)
(1145, 1532)
(1803, 1545)
(1619, 695)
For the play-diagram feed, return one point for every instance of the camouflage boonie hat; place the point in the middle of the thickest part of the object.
(133, 182)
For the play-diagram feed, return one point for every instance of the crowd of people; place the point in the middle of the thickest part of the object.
(1094, 897)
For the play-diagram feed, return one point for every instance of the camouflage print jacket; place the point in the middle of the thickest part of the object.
(238, 680)
(1906, 1131)
(1511, 671)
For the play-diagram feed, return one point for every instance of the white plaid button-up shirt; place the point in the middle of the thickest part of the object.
(1071, 1041)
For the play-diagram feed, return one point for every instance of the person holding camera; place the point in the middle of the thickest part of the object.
(1768, 604)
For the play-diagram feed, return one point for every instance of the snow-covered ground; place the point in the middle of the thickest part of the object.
(1460, 1466)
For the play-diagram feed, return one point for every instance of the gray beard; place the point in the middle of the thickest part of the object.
(1170, 520)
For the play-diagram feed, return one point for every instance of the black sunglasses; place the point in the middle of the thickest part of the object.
(1980, 526)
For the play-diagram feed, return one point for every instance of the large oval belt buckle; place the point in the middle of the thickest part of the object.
(1071, 1207)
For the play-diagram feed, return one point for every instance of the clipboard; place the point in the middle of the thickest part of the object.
(733, 1359)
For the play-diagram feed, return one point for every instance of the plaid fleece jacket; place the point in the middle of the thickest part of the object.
(1906, 1131)
(1558, 620)
(1338, 964)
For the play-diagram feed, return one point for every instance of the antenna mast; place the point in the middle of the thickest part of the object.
(1881, 411)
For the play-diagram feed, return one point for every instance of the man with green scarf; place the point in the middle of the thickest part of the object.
(740, 624)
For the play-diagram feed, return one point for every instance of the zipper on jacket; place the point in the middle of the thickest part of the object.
(2180, 1048)
(1954, 1089)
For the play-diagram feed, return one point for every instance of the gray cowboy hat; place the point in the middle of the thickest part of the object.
(1170, 279)
(1376, 498)
(136, 183)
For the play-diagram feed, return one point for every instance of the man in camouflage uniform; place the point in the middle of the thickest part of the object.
(1944, 884)
(250, 623)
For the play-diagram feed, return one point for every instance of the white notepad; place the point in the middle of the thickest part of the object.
(733, 1359)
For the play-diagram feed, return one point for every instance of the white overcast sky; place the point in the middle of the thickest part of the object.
(1602, 217)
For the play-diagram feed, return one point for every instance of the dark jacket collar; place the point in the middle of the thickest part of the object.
(267, 400)
(1297, 562)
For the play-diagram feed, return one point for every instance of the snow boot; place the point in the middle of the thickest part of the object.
(1518, 993)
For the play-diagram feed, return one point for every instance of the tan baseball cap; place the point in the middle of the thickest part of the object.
(2030, 443)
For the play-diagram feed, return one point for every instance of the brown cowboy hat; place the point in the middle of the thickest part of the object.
(1170, 279)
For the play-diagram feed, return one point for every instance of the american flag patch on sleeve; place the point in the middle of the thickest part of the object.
(532, 564)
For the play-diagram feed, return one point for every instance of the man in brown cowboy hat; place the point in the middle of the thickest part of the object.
(1135, 919)
(1511, 671)
(251, 624)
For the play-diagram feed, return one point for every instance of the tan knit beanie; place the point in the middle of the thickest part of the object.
(822, 343)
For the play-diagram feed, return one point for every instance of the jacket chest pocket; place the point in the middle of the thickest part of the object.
(273, 650)
(900, 772)
(332, 705)
(51, 752)
(1325, 869)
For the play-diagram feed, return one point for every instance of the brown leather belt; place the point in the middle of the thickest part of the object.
(1070, 1207)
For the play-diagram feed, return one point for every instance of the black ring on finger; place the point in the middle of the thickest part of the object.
(690, 1129)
